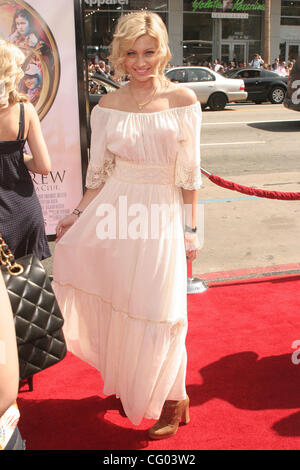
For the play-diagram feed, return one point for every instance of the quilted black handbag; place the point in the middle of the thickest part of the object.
(38, 319)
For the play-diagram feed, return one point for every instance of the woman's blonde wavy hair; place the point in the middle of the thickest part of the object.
(129, 28)
(11, 60)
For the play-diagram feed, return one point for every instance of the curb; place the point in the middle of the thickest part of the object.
(250, 273)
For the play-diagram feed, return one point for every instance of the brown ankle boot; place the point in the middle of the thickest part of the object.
(172, 414)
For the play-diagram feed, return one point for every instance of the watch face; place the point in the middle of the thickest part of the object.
(23, 26)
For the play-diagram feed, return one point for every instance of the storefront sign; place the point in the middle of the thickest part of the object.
(230, 15)
(99, 3)
(50, 50)
(232, 5)
(206, 4)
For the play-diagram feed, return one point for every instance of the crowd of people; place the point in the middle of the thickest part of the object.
(279, 66)
(101, 68)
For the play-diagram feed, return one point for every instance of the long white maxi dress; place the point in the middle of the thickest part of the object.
(120, 271)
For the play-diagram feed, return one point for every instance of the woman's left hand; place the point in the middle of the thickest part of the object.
(191, 255)
(192, 246)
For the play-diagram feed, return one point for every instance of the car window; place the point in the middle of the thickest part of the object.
(199, 75)
(178, 75)
(249, 73)
(230, 73)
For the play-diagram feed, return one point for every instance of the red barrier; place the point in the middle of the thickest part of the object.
(251, 191)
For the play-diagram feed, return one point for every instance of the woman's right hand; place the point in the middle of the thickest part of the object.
(64, 225)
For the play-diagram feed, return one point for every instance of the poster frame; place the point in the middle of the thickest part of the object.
(82, 86)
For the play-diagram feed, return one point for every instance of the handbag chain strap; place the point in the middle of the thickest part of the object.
(7, 259)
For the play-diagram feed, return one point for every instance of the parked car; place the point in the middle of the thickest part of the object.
(212, 89)
(99, 86)
(292, 97)
(260, 84)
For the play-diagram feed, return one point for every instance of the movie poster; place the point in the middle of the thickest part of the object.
(45, 32)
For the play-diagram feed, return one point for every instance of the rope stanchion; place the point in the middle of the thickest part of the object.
(194, 284)
(251, 191)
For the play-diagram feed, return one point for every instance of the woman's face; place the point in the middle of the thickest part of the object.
(31, 82)
(142, 59)
(22, 25)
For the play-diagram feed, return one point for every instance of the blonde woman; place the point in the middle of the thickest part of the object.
(21, 218)
(120, 262)
(10, 438)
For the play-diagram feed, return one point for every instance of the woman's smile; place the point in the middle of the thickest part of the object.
(142, 59)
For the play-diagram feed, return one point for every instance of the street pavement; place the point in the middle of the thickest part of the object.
(253, 145)
(257, 146)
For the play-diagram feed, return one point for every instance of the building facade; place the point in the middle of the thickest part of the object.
(203, 30)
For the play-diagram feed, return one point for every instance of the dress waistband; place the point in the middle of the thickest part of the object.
(143, 173)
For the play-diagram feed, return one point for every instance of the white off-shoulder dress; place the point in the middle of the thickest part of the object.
(120, 279)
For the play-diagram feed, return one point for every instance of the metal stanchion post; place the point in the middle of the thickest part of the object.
(194, 284)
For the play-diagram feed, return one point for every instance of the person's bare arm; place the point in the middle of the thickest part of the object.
(187, 97)
(190, 203)
(64, 224)
(39, 160)
(9, 363)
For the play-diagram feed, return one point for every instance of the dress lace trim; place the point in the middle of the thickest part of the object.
(96, 175)
(188, 178)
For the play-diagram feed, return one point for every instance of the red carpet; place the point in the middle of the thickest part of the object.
(244, 387)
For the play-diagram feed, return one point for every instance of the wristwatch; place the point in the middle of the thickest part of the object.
(77, 212)
(190, 229)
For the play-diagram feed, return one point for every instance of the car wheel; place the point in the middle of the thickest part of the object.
(217, 102)
(277, 95)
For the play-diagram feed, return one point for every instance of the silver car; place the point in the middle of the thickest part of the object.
(211, 88)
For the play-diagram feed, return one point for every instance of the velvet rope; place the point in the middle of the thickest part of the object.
(251, 191)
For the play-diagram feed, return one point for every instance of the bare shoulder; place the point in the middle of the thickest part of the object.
(32, 122)
(181, 96)
(31, 115)
(111, 100)
(30, 109)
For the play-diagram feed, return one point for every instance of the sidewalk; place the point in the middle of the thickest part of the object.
(242, 233)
